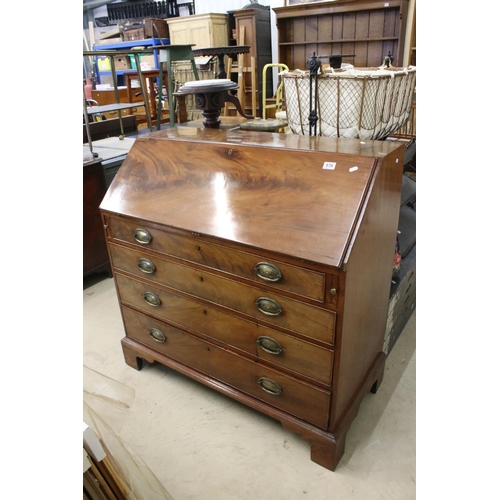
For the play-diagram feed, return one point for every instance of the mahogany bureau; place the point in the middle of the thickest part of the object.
(260, 265)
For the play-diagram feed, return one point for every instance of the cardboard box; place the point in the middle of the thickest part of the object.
(122, 62)
(144, 59)
(147, 62)
(103, 63)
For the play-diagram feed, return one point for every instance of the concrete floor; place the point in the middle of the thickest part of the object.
(199, 444)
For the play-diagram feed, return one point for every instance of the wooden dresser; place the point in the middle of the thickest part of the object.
(367, 29)
(256, 21)
(260, 265)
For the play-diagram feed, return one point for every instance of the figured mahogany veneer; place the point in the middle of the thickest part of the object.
(259, 265)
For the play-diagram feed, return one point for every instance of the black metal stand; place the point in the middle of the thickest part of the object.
(313, 63)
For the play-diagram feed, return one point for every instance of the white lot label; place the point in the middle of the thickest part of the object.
(329, 165)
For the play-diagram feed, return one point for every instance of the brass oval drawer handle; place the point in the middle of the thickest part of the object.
(270, 386)
(146, 266)
(157, 335)
(142, 236)
(152, 299)
(268, 306)
(267, 272)
(270, 345)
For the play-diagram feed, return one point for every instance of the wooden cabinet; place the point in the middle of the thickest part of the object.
(95, 254)
(202, 30)
(256, 23)
(260, 265)
(369, 29)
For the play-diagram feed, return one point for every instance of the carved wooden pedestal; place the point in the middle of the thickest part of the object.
(210, 98)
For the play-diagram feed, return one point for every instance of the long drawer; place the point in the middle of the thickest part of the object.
(267, 385)
(280, 275)
(272, 309)
(256, 340)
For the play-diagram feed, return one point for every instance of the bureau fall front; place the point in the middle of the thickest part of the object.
(260, 265)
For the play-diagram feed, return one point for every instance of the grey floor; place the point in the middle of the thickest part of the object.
(198, 444)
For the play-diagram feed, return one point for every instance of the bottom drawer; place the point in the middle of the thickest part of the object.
(288, 394)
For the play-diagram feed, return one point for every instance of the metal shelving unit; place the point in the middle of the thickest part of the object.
(117, 106)
(119, 47)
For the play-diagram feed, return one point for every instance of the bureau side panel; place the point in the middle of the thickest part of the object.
(368, 267)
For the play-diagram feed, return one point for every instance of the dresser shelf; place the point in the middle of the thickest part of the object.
(339, 40)
(369, 29)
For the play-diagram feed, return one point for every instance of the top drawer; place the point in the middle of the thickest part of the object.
(276, 274)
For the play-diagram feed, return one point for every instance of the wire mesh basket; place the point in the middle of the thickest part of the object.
(364, 103)
(183, 72)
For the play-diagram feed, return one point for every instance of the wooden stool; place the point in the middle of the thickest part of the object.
(150, 76)
(210, 97)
